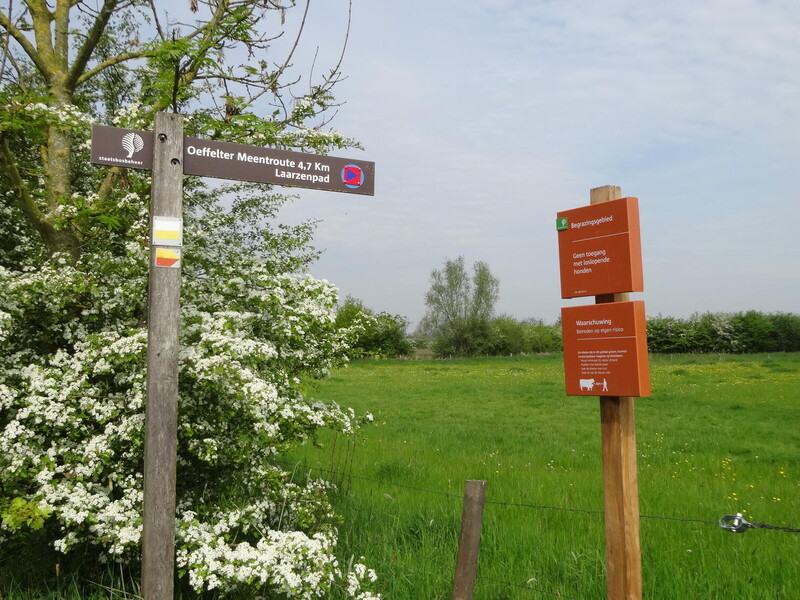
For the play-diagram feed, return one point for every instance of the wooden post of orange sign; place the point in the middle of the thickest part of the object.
(620, 473)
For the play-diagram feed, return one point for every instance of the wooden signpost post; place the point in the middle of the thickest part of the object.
(161, 408)
(170, 155)
(605, 351)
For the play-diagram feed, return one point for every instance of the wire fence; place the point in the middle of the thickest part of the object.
(732, 523)
(734, 526)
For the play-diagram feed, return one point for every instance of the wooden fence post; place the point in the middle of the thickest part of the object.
(469, 543)
(161, 410)
(620, 474)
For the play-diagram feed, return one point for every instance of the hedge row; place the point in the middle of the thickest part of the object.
(750, 331)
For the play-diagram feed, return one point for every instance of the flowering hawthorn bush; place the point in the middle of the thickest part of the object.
(254, 325)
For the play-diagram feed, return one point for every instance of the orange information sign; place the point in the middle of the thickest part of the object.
(600, 249)
(605, 349)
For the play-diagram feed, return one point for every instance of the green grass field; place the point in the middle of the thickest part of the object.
(720, 434)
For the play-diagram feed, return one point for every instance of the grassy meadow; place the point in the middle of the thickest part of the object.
(719, 435)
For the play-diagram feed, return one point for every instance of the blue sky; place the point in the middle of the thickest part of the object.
(486, 117)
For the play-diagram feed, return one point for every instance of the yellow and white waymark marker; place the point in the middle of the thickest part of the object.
(167, 231)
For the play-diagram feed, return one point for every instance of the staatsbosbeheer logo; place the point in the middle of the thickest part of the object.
(352, 176)
(132, 143)
(122, 147)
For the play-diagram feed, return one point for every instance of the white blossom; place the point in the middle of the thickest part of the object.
(72, 418)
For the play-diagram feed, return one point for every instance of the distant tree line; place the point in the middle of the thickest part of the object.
(460, 321)
(741, 332)
(384, 335)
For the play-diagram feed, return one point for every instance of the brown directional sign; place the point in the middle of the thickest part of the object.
(281, 167)
(207, 158)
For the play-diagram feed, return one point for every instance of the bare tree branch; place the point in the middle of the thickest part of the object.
(90, 43)
(111, 62)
